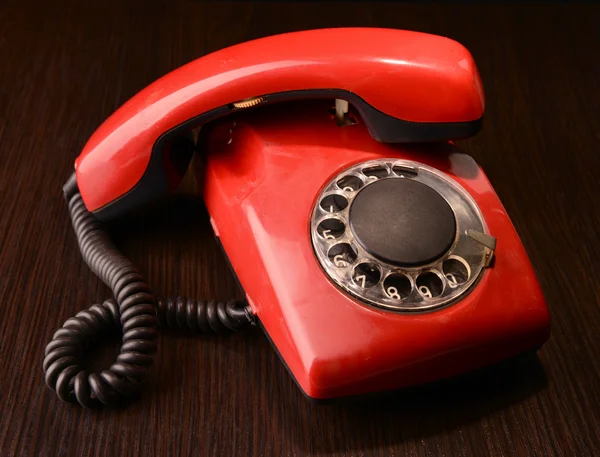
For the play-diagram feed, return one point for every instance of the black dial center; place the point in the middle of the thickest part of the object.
(402, 221)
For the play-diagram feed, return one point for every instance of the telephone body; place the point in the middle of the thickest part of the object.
(374, 254)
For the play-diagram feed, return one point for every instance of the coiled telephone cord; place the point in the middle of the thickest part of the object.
(135, 311)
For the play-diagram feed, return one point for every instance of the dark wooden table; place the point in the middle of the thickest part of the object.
(64, 67)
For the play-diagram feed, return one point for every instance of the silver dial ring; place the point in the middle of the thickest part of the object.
(383, 284)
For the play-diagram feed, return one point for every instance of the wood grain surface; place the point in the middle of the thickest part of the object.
(65, 66)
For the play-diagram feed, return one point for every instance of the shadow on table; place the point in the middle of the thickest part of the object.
(385, 419)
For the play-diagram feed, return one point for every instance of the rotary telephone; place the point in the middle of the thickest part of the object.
(373, 253)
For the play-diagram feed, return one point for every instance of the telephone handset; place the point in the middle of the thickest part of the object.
(364, 241)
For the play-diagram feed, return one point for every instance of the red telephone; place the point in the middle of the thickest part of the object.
(364, 241)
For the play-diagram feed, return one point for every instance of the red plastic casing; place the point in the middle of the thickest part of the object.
(412, 76)
(263, 174)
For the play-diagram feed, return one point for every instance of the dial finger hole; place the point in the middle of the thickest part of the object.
(333, 203)
(429, 284)
(405, 171)
(456, 270)
(330, 229)
(366, 275)
(350, 183)
(342, 255)
(397, 286)
(376, 171)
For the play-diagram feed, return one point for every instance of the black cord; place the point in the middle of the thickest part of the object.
(135, 311)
